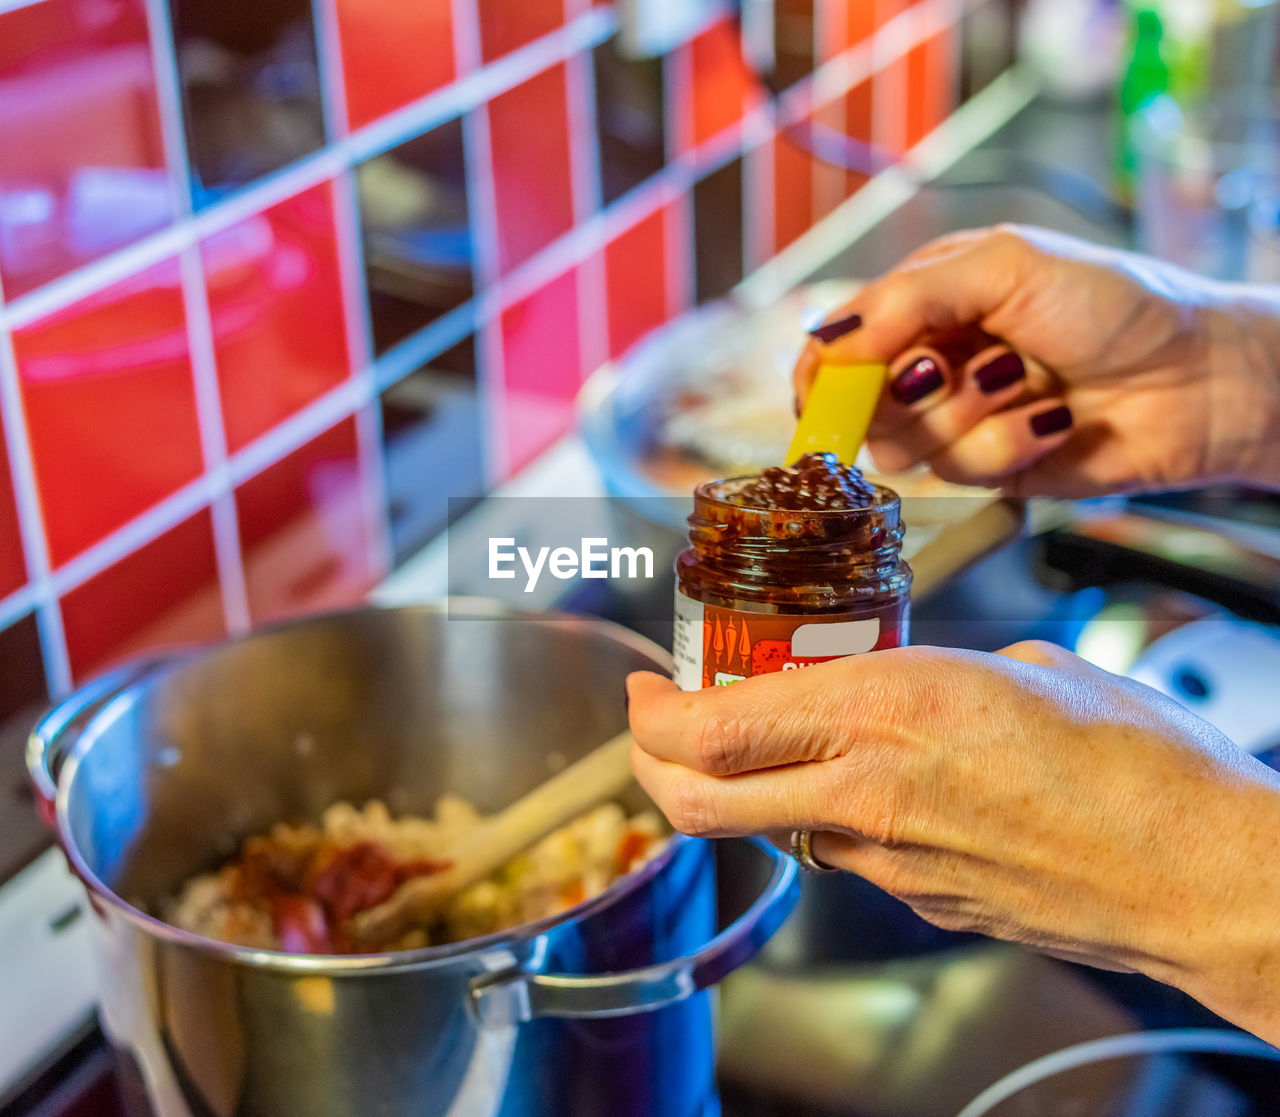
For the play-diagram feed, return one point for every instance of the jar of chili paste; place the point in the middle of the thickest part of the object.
(787, 568)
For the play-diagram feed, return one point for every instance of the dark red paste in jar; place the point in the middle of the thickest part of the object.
(816, 482)
(787, 568)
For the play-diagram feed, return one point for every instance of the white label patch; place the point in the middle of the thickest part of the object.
(686, 643)
(810, 641)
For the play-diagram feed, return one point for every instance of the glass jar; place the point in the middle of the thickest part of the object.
(762, 590)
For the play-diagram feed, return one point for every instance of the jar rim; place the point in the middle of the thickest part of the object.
(887, 499)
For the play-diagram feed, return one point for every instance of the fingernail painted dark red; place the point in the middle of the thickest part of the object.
(1050, 422)
(916, 381)
(831, 331)
(1006, 369)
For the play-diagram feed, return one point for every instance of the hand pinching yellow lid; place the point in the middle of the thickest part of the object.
(838, 411)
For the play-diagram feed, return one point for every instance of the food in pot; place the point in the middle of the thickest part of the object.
(295, 888)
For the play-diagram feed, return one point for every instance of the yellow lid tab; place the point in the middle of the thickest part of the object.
(838, 411)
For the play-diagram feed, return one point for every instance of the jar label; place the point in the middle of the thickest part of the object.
(713, 646)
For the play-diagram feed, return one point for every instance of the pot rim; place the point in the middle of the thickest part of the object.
(340, 965)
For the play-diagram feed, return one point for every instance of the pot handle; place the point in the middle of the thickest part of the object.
(49, 742)
(517, 997)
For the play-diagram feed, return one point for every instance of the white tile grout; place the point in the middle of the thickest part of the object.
(491, 364)
(482, 214)
(369, 462)
(467, 51)
(333, 84)
(199, 329)
(758, 204)
(35, 552)
(678, 101)
(357, 319)
(584, 160)
(164, 63)
(588, 200)
(481, 200)
(226, 531)
(357, 323)
(53, 643)
(7, 6)
(17, 605)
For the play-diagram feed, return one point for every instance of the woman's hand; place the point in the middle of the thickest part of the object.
(1027, 360)
(1026, 795)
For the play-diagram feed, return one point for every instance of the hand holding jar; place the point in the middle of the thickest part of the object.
(1026, 795)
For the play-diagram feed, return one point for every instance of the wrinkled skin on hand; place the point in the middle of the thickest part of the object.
(1170, 379)
(1027, 795)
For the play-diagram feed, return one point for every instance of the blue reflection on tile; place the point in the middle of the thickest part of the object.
(433, 443)
(250, 90)
(416, 229)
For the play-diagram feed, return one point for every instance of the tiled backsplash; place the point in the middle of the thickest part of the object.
(280, 278)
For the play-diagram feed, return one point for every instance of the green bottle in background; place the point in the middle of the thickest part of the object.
(1147, 76)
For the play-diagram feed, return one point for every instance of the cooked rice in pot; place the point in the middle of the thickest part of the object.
(295, 888)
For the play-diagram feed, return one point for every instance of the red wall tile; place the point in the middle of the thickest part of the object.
(393, 52)
(792, 190)
(507, 24)
(860, 126)
(891, 95)
(852, 22)
(723, 88)
(829, 177)
(162, 595)
(636, 280)
(13, 567)
(542, 369)
(81, 161)
(275, 298)
(931, 78)
(110, 407)
(533, 183)
(302, 529)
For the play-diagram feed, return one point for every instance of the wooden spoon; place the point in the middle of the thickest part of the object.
(601, 775)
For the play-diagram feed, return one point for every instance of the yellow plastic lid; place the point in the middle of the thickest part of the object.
(838, 411)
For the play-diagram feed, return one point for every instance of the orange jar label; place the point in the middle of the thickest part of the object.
(714, 646)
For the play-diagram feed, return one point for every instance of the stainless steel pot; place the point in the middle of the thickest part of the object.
(156, 771)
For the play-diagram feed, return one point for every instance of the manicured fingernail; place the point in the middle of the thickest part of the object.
(1051, 422)
(1006, 369)
(837, 329)
(916, 381)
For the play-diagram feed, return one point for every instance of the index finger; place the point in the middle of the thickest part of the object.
(762, 722)
(964, 284)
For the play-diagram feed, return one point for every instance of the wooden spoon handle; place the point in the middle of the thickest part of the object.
(961, 544)
(601, 775)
